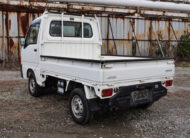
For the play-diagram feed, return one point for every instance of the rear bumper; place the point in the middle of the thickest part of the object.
(123, 98)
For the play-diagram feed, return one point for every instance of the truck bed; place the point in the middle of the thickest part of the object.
(109, 71)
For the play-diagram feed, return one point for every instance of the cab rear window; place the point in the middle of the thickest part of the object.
(70, 29)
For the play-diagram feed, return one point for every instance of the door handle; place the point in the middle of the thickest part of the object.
(35, 50)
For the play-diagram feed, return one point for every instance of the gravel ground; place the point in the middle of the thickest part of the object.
(23, 116)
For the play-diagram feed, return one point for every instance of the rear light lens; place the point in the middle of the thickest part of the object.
(107, 92)
(169, 83)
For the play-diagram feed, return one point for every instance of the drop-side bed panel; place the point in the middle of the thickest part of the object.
(71, 69)
(109, 71)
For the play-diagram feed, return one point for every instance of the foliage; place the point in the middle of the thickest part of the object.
(183, 50)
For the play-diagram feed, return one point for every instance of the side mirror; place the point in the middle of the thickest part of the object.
(22, 42)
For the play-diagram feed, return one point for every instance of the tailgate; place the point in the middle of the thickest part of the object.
(141, 71)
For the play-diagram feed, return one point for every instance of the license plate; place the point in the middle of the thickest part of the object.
(140, 95)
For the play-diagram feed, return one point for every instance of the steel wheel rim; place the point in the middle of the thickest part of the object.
(32, 85)
(77, 106)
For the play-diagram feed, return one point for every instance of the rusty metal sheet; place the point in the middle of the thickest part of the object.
(17, 24)
(163, 32)
(140, 29)
(175, 26)
(1, 35)
(31, 5)
(148, 30)
(113, 27)
(42, 4)
(111, 48)
(33, 16)
(144, 48)
(6, 53)
(120, 47)
(1, 48)
(128, 48)
(13, 53)
(23, 21)
(12, 24)
(119, 28)
(104, 48)
(155, 29)
(122, 34)
(1, 29)
(127, 29)
(179, 29)
(104, 27)
(164, 13)
(186, 26)
(11, 29)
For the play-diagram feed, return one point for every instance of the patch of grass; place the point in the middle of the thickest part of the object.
(183, 50)
(185, 65)
(182, 63)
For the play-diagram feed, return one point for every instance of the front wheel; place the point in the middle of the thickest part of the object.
(79, 108)
(33, 87)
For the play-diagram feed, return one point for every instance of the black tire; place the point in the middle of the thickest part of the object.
(85, 115)
(145, 106)
(35, 89)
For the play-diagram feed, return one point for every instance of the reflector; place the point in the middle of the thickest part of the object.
(169, 83)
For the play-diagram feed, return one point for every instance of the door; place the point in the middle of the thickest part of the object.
(30, 52)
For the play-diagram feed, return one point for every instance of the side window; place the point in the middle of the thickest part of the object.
(87, 31)
(55, 28)
(32, 34)
(70, 29)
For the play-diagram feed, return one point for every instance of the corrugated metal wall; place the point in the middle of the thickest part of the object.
(147, 32)
(15, 27)
(118, 32)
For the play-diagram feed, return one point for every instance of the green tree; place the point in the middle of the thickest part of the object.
(183, 49)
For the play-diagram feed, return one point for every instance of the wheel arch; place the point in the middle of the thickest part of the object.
(29, 72)
(71, 85)
(88, 91)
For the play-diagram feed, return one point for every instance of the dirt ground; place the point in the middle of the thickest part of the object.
(23, 116)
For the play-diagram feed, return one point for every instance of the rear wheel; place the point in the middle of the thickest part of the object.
(79, 108)
(33, 87)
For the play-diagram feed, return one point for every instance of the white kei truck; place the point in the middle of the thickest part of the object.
(64, 51)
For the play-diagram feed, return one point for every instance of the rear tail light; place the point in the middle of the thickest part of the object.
(169, 83)
(107, 92)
